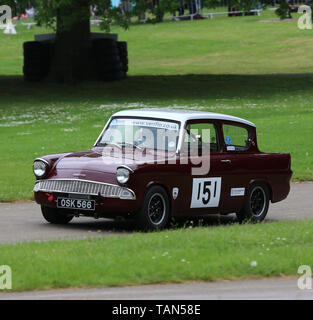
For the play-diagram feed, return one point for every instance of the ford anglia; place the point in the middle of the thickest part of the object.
(153, 164)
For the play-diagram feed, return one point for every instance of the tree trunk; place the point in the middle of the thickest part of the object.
(72, 42)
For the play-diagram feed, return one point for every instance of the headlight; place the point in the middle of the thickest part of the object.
(122, 175)
(40, 168)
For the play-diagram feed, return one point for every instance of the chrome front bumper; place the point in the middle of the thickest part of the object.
(78, 186)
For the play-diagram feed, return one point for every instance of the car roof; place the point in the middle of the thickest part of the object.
(179, 115)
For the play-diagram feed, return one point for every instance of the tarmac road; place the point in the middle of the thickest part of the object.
(265, 289)
(23, 221)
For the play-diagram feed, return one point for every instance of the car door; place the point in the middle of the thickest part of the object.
(202, 188)
(236, 174)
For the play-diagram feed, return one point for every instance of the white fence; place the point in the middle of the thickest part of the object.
(207, 14)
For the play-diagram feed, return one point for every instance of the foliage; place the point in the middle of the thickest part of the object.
(244, 5)
(164, 6)
(283, 11)
(47, 10)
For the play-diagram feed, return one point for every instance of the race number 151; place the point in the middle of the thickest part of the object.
(206, 192)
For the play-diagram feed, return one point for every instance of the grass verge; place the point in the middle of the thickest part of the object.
(200, 253)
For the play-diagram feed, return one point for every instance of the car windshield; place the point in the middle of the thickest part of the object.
(141, 133)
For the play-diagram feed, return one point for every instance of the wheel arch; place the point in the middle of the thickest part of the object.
(163, 186)
(265, 182)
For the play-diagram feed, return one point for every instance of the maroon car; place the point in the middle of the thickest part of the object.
(151, 164)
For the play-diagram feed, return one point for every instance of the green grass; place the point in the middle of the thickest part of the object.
(223, 252)
(237, 66)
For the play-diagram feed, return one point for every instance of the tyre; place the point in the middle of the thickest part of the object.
(110, 68)
(32, 78)
(122, 45)
(36, 56)
(112, 76)
(32, 46)
(125, 68)
(37, 72)
(109, 60)
(123, 55)
(102, 44)
(35, 48)
(256, 204)
(53, 215)
(109, 52)
(155, 211)
(36, 62)
(124, 60)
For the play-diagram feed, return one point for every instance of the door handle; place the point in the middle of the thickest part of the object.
(226, 161)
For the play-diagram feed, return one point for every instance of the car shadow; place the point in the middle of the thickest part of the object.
(127, 226)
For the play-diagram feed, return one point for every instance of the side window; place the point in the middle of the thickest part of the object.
(202, 136)
(236, 138)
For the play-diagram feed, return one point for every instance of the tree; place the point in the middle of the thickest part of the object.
(283, 11)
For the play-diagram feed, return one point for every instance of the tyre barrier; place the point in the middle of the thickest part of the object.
(36, 60)
(108, 59)
(111, 59)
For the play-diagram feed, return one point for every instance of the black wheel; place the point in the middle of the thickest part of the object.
(155, 211)
(54, 215)
(256, 204)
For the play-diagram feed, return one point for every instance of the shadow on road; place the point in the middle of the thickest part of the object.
(127, 226)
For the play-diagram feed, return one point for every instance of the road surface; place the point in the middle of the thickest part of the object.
(265, 289)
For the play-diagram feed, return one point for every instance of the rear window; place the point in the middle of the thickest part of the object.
(236, 137)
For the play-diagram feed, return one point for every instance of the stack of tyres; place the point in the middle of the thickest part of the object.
(36, 60)
(108, 65)
(122, 48)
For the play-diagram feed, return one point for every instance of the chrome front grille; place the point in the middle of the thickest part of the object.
(79, 187)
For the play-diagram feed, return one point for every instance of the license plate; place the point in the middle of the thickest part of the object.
(80, 204)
